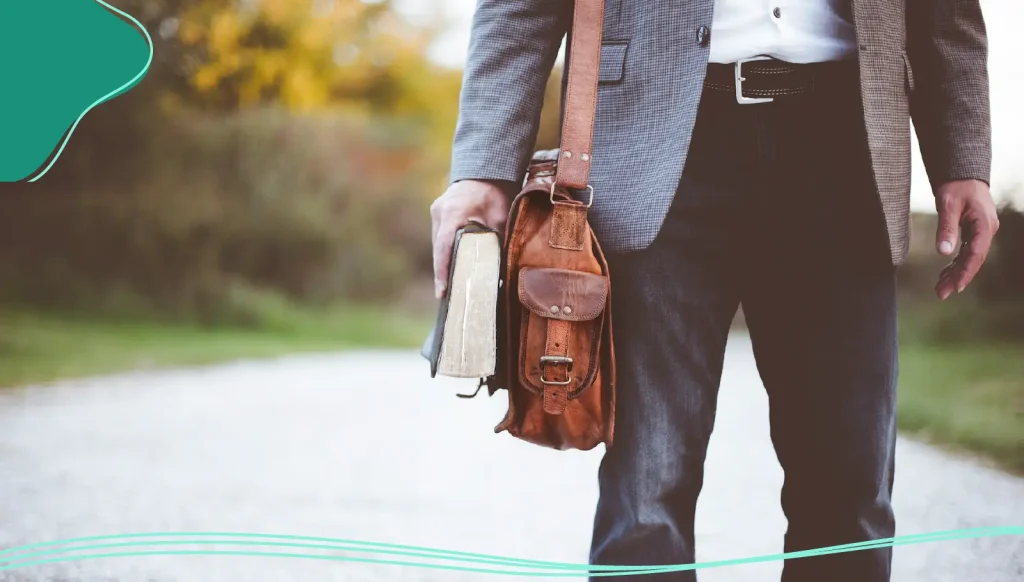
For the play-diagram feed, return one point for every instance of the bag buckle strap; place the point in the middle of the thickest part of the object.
(556, 353)
(545, 360)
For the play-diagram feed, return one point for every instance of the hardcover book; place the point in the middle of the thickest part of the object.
(463, 343)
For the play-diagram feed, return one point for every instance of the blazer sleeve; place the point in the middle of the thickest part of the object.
(512, 50)
(947, 50)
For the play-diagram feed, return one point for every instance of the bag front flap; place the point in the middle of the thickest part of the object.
(562, 293)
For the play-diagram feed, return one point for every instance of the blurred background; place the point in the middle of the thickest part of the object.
(265, 190)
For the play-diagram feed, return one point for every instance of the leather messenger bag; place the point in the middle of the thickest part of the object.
(555, 352)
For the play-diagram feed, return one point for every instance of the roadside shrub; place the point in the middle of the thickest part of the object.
(315, 209)
(1002, 279)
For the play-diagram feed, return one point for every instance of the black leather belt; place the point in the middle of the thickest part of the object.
(761, 79)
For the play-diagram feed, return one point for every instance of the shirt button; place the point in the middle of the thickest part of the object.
(703, 36)
(777, 12)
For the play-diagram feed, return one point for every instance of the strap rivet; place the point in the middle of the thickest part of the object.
(584, 157)
(554, 309)
(567, 154)
(567, 310)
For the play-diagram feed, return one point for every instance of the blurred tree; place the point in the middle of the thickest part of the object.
(1002, 278)
(303, 54)
(362, 58)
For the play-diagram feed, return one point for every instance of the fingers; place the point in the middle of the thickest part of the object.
(977, 251)
(442, 237)
(435, 220)
(947, 278)
(464, 202)
(961, 272)
(950, 210)
(443, 242)
(966, 205)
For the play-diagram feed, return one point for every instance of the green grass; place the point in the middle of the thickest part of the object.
(967, 397)
(39, 347)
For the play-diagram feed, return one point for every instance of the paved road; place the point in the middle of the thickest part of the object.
(362, 445)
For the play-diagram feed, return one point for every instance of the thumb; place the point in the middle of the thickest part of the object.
(496, 217)
(498, 211)
(949, 224)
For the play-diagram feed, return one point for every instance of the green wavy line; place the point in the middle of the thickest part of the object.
(22, 552)
(108, 96)
(334, 547)
(466, 557)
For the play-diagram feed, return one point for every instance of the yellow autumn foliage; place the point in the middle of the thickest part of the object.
(310, 54)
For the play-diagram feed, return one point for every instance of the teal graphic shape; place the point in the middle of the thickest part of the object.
(342, 550)
(59, 59)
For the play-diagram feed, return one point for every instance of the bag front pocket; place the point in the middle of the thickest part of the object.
(560, 335)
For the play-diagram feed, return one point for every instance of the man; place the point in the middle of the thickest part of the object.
(789, 196)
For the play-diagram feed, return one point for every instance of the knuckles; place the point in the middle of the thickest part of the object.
(462, 200)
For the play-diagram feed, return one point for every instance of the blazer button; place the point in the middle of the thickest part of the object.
(703, 36)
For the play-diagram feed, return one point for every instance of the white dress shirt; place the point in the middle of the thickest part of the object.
(797, 31)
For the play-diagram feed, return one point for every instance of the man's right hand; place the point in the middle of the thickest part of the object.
(486, 202)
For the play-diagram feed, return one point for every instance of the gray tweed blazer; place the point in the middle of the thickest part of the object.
(920, 58)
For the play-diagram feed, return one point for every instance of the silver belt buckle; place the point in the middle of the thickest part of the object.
(738, 77)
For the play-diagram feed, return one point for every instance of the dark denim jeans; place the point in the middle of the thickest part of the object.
(776, 211)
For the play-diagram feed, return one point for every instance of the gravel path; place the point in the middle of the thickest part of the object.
(365, 446)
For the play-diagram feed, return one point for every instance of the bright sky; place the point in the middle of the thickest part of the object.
(1006, 69)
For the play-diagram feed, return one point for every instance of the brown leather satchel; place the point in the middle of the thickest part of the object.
(555, 352)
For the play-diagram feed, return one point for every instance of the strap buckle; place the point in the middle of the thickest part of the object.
(545, 360)
(738, 77)
(589, 189)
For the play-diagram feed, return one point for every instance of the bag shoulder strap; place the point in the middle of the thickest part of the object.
(574, 161)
